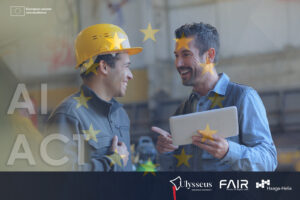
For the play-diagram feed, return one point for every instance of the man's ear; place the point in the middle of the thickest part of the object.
(103, 67)
(211, 53)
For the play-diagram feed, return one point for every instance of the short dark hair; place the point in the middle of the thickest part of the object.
(206, 36)
(109, 59)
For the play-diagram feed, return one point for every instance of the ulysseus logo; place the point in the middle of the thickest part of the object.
(190, 185)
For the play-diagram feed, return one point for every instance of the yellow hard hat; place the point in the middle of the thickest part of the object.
(102, 39)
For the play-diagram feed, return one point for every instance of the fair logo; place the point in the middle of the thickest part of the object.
(234, 185)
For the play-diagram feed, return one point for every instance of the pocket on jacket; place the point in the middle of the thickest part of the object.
(123, 130)
(102, 142)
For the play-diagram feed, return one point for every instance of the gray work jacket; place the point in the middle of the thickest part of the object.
(87, 125)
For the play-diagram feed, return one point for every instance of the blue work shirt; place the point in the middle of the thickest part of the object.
(252, 150)
(95, 122)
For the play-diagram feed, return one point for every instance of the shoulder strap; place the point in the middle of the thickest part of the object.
(182, 109)
(229, 90)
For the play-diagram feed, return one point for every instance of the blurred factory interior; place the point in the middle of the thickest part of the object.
(260, 47)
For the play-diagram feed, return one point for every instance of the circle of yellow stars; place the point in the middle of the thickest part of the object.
(182, 42)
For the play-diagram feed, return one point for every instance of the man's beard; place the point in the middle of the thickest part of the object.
(190, 81)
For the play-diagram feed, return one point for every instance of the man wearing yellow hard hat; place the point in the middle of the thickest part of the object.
(93, 125)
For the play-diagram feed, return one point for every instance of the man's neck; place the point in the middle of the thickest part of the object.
(207, 83)
(100, 89)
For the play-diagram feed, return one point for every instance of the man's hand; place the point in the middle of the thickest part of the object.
(218, 147)
(164, 141)
(120, 148)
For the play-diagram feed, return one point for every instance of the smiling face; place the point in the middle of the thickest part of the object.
(119, 75)
(187, 62)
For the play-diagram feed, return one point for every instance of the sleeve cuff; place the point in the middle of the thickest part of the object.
(233, 154)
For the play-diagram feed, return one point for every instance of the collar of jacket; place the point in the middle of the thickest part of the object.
(220, 88)
(96, 102)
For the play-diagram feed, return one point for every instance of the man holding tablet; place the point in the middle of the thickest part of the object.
(196, 52)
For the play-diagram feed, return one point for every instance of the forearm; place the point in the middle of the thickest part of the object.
(261, 157)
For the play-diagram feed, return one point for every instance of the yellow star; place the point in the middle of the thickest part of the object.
(115, 42)
(183, 42)
(90, 66)
(149, 167)
(216, 101)
(91, 133)
(207, 133)
(87, 65)
(115, 158)
(207, 67)
(82, 100)
(183, 158)
(149, 33)
(94, 70)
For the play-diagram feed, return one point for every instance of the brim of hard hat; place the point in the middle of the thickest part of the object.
(133, 50)
(130, 51)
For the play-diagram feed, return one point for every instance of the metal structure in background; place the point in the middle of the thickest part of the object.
(283, 110)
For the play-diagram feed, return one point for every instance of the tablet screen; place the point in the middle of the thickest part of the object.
(222, 122)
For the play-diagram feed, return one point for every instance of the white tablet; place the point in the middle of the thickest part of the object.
(222, 122)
